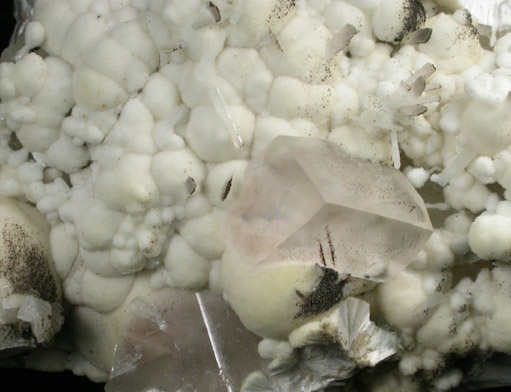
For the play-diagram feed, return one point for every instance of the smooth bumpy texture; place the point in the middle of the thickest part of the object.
(129, 125)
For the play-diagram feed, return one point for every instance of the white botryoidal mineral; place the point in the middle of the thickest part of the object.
(130, 124)
(394, 19)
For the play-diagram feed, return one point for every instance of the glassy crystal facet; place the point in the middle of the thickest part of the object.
(184, 341)
(306, 200)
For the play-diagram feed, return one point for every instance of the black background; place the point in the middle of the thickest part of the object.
(26, 380)
(6, 22)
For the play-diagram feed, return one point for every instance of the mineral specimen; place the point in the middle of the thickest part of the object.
(306, 200)
(183, 341)
(128, 124)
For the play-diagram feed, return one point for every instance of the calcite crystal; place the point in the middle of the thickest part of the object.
(306, 200)
(183, 341)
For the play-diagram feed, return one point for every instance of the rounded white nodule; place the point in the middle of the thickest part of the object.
(30, 291)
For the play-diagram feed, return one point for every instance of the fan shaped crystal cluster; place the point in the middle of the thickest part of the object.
(306, 200)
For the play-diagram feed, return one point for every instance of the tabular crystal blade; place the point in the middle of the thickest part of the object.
(188, 341)
(305, 200)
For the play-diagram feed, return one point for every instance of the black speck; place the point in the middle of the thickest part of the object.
(321, 253)
(327, 292)
(330, 244)
(190, 185)
(281, 10)
(14, 143)
(226, 189)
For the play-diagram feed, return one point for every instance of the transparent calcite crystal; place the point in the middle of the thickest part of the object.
(183, 341)
(305, 200)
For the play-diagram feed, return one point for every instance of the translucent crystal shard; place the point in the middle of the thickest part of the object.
(183, 341)
(363, 340)
(306, 200)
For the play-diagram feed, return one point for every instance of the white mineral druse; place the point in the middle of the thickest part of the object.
(257, 195)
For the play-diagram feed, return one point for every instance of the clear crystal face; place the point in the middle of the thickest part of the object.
(306, 200)
(183, 341)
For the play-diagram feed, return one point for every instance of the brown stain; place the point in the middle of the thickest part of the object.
(26, 264)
